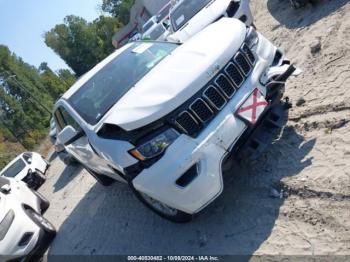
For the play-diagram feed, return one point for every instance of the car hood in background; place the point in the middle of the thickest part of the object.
(209, 14)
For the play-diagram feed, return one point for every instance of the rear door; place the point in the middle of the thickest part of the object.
(80, 147)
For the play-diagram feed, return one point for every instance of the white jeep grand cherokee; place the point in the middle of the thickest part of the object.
(163, 117)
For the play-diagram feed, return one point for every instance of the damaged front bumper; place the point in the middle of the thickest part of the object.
(189, 175)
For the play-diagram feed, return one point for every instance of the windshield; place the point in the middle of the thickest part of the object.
(156, 33)
(14, 169)
(93, 99)
(185, 11)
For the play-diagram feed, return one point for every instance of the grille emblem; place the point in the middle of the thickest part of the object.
(213, 71)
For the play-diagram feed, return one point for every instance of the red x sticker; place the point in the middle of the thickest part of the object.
(253, 107)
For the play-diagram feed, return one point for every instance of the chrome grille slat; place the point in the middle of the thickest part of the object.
(249, 54)
(201, 110)
(213, 96)
(225, 85)
(187, 123)
(234, 74)
(242, 63)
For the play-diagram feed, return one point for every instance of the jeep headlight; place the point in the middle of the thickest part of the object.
(252, 37)
(155, 146)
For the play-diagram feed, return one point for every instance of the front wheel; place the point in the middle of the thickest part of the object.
(295, 4)
(43, 223)
(44, 203)
(163, 210)
(39, 179)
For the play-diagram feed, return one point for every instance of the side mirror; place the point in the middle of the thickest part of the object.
(5, 189)
(29, 160)
(67, 134)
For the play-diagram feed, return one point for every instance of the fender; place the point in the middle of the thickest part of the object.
(280, 73)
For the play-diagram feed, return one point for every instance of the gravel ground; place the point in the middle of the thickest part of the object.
(294, 200)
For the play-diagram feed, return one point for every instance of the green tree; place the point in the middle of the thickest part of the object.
(55, 85)
(27, 95)
(119, 9)
(67, 77)
(82, 44)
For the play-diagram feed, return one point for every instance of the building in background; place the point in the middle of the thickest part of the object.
(139, 14)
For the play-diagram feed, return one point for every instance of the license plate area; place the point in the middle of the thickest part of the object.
(252, 108)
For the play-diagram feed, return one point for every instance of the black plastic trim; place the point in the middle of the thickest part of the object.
(187, 177)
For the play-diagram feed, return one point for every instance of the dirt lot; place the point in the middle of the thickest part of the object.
(308, 165)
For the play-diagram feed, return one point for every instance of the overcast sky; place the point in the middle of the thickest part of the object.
(23, 23)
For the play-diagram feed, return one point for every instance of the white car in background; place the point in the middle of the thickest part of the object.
(155, 29)
(188, 17)
(157, 32)
(149, 24)
(24, 232)
(29, 167)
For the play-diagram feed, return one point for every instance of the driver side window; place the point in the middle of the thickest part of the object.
(63, 119)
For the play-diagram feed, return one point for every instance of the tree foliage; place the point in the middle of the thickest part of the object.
(25, 92)
(119, 9)
(82, 44)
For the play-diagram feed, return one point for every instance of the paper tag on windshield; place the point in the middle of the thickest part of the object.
(142, 48)
(180, 20)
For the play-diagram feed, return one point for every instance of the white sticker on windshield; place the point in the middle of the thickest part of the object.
(142, 48)
(180, 20)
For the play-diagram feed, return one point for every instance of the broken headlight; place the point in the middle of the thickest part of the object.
(155, 146)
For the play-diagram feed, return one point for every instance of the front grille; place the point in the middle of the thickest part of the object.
(214, 97)
(225, 85)
(201, 110)
(242, 63)
(192, 117)
(249, 54)
(187, 123)
(234, 74)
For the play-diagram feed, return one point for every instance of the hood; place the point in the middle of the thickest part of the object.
(209, 14)
(179, 76)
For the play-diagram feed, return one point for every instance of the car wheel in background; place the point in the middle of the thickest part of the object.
(43, 223)
(39, 179)
(44, 203)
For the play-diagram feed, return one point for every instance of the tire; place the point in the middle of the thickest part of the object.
(295, 4)
(43, 223)
(44, 203)
(164, 211)
(39, 178)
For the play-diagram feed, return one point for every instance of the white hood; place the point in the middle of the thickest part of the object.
(202, 19)
(179, 76)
